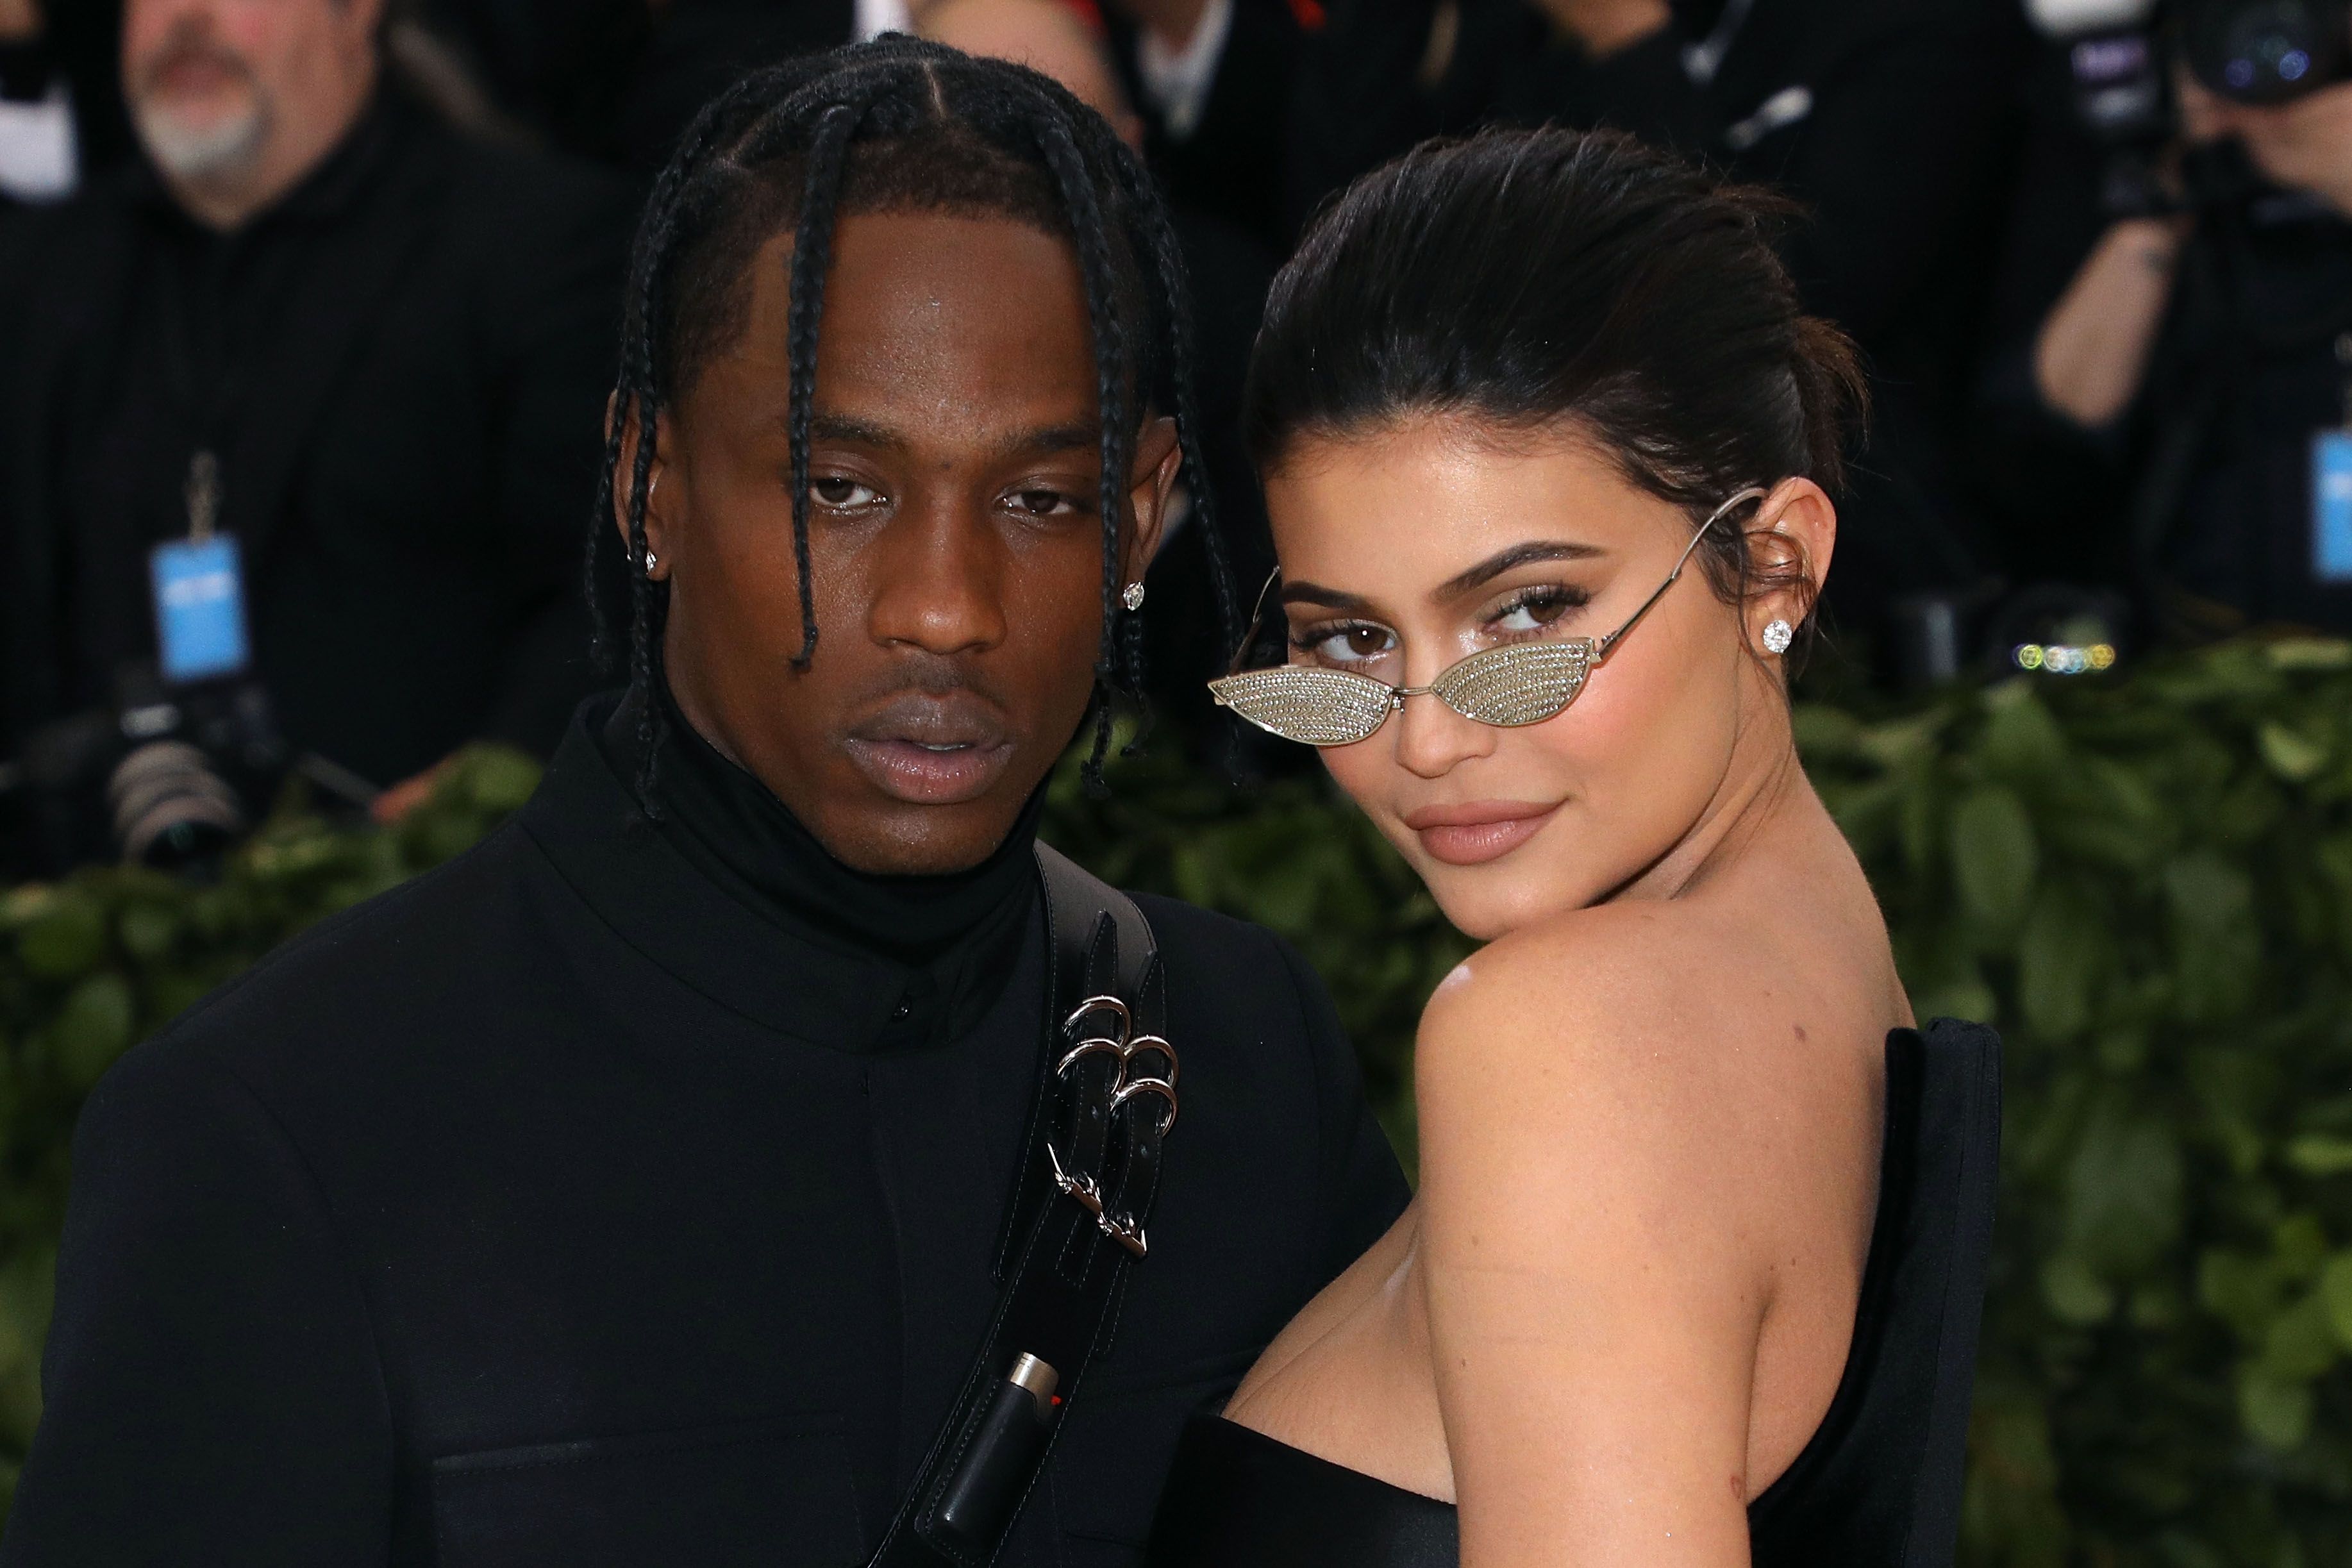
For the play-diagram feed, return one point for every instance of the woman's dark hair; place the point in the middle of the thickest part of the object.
(896, 126)
(1530, 278)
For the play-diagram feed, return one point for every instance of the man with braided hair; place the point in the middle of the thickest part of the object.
(629, 1190)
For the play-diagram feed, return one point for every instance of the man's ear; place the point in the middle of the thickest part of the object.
(1790, 541)
(1159, 460)
(662, 499)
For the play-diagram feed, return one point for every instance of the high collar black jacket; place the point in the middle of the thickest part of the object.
(566, 1207)
(401, 367)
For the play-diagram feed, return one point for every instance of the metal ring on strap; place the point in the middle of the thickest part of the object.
(1101, 1005)
(1159, 1085)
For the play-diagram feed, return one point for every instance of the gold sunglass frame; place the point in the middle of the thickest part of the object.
(1507, 687)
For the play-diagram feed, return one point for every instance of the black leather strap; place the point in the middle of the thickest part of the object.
(1106, 1102)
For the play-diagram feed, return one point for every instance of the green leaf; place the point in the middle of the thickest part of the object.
(1994, 856)
(2125, 1191)
(148, 931)
(2073, 1293)
(2291, 754)
(2061, 954)
(2276, 1414)
(65, 936)
(2022, 743)
(93, 1027)
(2301, 1343)
(2310, 653)
(2320, 1154)
(2336, 1294)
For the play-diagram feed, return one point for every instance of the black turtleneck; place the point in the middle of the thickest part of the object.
(564, 1207)
(955, 936)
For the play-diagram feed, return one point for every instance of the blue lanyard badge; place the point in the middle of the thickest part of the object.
(200, 608)
(2331, 506)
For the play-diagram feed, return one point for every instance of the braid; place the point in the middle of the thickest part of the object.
(947, 133)
(1077, 190)
(1175, 284)
(812, 259)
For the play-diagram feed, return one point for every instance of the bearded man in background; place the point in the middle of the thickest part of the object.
(316, 320)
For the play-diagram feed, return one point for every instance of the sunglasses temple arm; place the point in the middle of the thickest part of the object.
(1611, 640)
(1249, 627)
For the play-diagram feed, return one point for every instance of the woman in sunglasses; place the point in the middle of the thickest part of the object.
(1693, 1273)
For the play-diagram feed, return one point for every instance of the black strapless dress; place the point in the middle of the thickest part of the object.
(1879, 1485)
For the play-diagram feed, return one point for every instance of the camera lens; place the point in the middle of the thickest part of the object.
(170, 808)
(2267, 51)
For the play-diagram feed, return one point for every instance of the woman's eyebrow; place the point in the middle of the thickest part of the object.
(1518, 555)
(1330, 598)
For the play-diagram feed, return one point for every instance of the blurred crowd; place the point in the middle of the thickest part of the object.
(307, 309)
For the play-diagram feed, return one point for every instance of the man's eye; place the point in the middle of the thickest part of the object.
(1041, 502)
(1357, 643)
(841, 494)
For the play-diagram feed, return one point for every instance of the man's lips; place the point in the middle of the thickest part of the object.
(1478, 831)
(932, 751)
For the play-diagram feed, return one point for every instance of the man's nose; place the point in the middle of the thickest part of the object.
(939, 581)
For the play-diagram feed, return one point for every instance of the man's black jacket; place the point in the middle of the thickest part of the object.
(403, 367)
(558, 1209)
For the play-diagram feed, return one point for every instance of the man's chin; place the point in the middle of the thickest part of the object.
(919, 841)
(203, 137)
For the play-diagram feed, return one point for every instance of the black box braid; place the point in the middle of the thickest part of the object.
(898, 125)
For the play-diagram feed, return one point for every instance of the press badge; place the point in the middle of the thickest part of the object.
(199, 609)
(2331, 506)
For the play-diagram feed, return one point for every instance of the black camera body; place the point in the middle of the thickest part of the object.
(2121, 55)
(166, 777)
(2266, 51)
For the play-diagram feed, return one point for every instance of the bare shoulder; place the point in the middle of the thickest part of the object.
(1646, 1051)
(1611, 996)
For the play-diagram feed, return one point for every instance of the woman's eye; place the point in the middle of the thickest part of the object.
(1533, 611)
(841, 494)
(1346, 645)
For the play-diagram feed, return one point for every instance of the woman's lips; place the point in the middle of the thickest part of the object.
(1481, 831)
(924, 773)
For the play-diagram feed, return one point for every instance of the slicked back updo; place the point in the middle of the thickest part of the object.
(896, 126)
(1531, 279)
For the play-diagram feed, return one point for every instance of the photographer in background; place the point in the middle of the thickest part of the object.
(323, 375)
(1212, 81)
(2179, 355)
(1888, 121)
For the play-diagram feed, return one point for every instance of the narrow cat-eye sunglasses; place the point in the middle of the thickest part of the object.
(1506, 686)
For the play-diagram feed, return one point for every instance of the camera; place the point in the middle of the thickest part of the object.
(166, 777)
(2121, 53)
(2266, 51)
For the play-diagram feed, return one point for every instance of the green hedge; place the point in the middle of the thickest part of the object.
(2146, 884)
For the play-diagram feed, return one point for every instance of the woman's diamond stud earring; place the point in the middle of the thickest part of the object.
(1133, 597)
(1778, 635)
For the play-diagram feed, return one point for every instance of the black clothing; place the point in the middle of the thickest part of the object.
(735, 833)
(559, 1207)
(402, 367)
(1227, 165)
(1879, 1483)
(2202, 488)
(1885, 118)
(556, 68)
(700, 49)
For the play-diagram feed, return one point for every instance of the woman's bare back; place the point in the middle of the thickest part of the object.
(1762, 994)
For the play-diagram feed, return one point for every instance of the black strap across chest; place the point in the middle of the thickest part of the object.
(1090, 1166)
